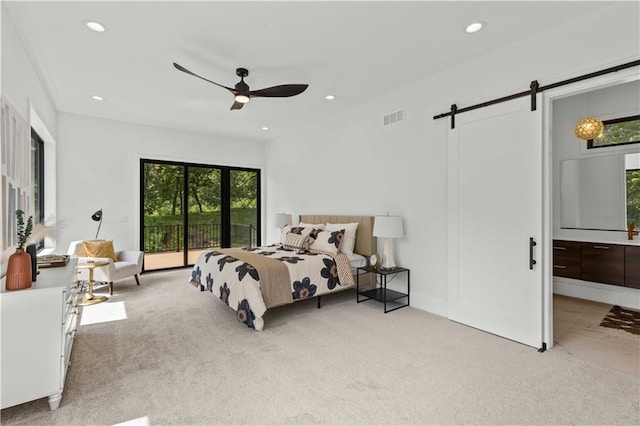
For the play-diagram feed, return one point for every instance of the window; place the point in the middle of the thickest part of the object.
(619, 131)
(37, 180)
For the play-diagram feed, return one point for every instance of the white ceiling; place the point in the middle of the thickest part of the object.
(353, 50)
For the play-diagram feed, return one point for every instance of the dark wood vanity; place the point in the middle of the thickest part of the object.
(614, 264)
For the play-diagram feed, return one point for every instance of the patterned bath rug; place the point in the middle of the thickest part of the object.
(622, 319)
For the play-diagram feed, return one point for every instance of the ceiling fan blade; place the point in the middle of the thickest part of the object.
(237, 105)
(283, 91)
(183, 69)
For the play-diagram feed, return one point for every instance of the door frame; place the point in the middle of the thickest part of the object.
(549, 96)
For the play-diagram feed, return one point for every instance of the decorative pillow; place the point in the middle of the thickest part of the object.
(349, 239)
(294, 241)
(327, 241)
(300, 230)
(100, 248)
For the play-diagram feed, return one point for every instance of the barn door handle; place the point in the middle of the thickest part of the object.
(532, 261)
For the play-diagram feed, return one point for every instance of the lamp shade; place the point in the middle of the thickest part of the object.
(97, 216)
(282, 220)
(388, 227)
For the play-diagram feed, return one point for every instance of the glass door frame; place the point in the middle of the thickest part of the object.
(225, 204)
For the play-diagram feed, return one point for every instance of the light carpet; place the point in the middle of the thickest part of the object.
(180, 357)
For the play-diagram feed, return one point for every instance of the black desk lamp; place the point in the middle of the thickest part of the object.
(97, 216)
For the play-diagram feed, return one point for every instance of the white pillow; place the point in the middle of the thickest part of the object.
(349, 238)
(328, 241)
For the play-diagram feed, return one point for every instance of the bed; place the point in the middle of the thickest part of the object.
(310, 261)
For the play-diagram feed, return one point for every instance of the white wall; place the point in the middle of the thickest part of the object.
(21, 82)
(99, 167)
(355, 166)
(22, 86)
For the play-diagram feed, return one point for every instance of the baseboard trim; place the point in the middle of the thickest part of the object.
(614, 295)
(429, 304)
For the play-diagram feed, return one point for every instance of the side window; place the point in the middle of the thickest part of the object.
(37, 180)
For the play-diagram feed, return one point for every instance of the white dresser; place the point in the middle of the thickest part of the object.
(38, 329)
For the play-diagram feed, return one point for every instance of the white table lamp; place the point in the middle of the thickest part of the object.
(282, 220)
(388, 228)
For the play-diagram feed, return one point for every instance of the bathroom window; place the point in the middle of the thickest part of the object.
(618, 131)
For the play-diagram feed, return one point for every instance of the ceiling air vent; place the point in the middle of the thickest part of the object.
(394, 117)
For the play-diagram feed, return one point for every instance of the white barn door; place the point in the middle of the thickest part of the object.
(495, 216)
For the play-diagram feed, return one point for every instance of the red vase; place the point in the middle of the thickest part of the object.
(19, 271)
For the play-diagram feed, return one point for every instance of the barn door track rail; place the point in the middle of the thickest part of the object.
(534, 88)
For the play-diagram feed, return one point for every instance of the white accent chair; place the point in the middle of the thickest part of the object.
(129, 264)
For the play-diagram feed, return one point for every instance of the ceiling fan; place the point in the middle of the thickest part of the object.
(241, 91)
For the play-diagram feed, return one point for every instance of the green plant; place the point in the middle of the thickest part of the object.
(23, 231)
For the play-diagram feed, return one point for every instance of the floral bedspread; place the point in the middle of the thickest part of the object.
(237, 283)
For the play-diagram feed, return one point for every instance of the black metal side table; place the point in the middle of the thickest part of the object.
(382, 293)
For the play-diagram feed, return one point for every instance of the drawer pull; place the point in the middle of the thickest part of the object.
(559, 266)
(559, 248)
(601, 247)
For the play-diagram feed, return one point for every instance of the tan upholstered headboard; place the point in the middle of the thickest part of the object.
(365, 241)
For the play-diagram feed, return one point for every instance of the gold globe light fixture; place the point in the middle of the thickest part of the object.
(589, 128)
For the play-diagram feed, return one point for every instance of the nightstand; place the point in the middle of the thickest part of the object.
(382, 293)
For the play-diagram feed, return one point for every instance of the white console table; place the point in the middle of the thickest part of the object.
(38, 329)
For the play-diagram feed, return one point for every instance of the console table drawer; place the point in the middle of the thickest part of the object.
(603, 263)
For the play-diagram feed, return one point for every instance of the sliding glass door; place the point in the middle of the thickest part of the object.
(205, 201)
(191, 208)
(163, 215)
(243, 197)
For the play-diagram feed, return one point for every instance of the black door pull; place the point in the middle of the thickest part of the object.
(532, 261)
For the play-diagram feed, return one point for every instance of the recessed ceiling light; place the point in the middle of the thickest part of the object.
(95, 26)
(475, 27)
(329, 97)
(97, 98)
(265, 128)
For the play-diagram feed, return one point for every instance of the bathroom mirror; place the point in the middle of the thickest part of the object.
(600, 193)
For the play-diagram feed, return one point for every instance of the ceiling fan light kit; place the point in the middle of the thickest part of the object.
(242, 93)
(243, 99)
